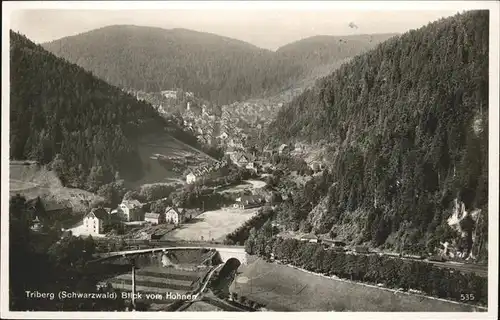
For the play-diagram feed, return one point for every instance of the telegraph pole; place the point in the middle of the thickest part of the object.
(133, 286)
(133, 282)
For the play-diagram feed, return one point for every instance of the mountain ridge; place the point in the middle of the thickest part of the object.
(216, 68)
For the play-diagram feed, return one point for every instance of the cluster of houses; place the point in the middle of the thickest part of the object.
(243, 160)
(128, 211)
(204, 171)
(172, 94)
(296, 150)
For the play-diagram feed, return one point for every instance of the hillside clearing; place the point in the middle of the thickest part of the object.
(32, 180)
(168, 147)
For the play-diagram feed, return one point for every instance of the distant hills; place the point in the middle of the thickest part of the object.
(405, 126)
(62, 115)
(216, 68)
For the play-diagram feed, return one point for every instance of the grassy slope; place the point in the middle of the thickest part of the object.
(32, 181)
(169, 147)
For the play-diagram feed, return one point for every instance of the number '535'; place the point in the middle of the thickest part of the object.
(467, 297)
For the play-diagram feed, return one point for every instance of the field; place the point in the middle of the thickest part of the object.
(283, 288)
(169, 147)
(212, 224)
(236, 189)
(157, 280)
(257, 184)
(31, 181)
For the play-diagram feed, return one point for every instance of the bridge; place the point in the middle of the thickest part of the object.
(225, 253)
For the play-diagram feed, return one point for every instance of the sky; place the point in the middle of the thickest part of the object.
(268, 29)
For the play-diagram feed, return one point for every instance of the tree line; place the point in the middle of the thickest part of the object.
(242, 233)
(371, 268)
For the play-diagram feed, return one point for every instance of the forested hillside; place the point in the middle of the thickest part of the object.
(152, 59)
(62, 115)
(215, 68)
(407, 126)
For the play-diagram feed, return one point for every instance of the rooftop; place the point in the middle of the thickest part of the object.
(131, 203)
(309, 236)
(99, 213)
(152, 215)
(51, 205)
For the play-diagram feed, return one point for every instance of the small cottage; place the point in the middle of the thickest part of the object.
(334, 243)
(174, 215)
(283, 149)
(191, 178)
(36, 224)
(309, 238)
(251, 166)
(154, 218)
(361, 249)
(315, 166)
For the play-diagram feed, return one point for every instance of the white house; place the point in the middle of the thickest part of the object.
(129, 210)
(174, 215)
(251, 166)
(283, 149)
(316, 166)
(95, 221)
(240, 159)
(169, 94)
(190, 178)
(37, 225)
(309, 238)
(223, 136)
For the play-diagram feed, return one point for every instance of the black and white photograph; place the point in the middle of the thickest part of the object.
(226, 156)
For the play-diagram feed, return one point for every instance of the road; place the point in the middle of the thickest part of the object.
(481, 271)
(199, 293)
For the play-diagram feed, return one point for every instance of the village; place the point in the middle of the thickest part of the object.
(234, 189)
